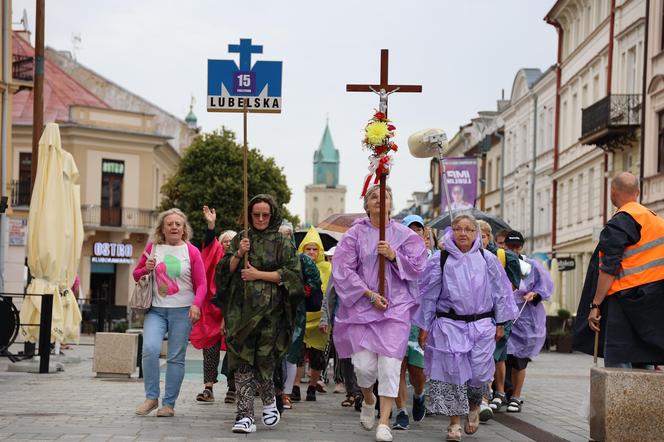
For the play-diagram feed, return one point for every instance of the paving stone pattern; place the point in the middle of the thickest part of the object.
(74, 405)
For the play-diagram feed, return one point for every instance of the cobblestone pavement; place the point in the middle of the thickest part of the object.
(75, 405)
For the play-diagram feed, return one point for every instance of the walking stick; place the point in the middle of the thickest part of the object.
(596, 350)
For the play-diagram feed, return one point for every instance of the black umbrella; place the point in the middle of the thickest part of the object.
(328, 238)
(444, 220)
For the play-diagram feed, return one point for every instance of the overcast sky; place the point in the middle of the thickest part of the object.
(462, 52)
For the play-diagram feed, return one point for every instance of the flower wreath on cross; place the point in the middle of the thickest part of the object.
(378, 134)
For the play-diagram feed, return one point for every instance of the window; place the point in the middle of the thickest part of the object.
(630, 66)
(570, 200)
(547, 210)
(561, 192)
(112, 173)
(575, 119)
(489, 177)
(579, 196)
(23, 188)
(596, 88)
(499, 173)
(660, 144)
(591, 193)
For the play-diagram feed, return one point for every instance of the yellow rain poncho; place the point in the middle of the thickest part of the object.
(312, 335)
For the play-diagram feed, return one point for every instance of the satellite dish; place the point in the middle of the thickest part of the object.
(427, 143)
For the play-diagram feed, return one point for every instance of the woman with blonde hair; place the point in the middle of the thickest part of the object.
(179, 289)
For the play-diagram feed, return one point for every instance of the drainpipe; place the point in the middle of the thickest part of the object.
(502, 174)
(556, 134)
(643, 102)
(609, 77)
(6, 121)
(532, 177)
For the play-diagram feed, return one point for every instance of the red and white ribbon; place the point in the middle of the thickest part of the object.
(377, 166)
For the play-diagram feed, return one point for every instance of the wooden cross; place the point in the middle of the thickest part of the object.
(384, 90)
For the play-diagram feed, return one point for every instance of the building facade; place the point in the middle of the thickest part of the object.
(325, 196)
(652, 194)
(123, 155)
(599, 81)
(528, 131)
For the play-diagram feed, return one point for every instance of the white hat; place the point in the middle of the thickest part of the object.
(331, 251)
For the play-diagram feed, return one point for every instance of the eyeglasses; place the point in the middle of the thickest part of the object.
(261, 215)
(463, 230)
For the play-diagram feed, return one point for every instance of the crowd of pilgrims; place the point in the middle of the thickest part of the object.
(460, 317)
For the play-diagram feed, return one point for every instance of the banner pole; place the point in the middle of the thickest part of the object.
(245, 177)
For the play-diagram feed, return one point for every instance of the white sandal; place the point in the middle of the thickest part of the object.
(454, 433)
(271, 415)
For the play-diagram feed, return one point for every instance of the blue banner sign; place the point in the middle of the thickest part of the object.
(231, 88)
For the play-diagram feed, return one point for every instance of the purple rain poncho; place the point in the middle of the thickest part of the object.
(458, 352)
(358, 325)
(529, 330)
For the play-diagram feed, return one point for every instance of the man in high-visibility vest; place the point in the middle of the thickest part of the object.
(630, 283)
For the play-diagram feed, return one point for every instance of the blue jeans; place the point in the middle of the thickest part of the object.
(158, 321)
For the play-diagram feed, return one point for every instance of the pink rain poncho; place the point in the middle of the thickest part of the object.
(529, 330)
(359, 325)
(459, 352)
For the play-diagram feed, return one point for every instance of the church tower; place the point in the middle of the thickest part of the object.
(325, 196)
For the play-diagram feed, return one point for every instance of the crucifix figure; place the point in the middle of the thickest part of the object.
(383, 90)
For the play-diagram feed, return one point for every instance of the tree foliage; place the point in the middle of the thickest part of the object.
(210, 173)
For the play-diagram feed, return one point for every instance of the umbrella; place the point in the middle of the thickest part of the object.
(329, 238)
(339, 222)
(443, 220)
(553, 304)
(55, 237)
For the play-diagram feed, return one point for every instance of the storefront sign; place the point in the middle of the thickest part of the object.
(17, 231)
(112, 253)
(566, 264)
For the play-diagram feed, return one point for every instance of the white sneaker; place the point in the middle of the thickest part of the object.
(244, 425)
(368, 416)
(383, 433)
(486, 413)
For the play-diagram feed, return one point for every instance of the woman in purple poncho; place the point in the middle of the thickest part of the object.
(369, 328)
(529, 330)
(461, 305)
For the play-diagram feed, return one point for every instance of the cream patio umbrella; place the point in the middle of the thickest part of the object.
(55, 237)
(554, 302)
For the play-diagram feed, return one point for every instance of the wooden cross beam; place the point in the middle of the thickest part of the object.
(384, 90)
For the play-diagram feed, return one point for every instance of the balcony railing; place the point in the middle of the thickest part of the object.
(611, 118)
(124, 218)
(22, 67)
(21, 192)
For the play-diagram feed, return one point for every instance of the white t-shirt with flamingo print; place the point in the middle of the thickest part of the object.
(172, 277)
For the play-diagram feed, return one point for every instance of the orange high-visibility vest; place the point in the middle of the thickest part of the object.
(642, 262)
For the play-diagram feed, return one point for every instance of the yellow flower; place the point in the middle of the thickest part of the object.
(376, 132)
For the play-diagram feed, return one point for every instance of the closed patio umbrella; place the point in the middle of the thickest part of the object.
(55, 237)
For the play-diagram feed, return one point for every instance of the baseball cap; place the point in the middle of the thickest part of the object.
(410, 219)
(514, 237)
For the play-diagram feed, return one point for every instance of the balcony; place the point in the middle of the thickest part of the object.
(21, 192)
(118, 218)
(22, 67)
(610, 123)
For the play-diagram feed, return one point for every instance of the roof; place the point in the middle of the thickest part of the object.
(532, 75)
(60, 91)
(326, 151)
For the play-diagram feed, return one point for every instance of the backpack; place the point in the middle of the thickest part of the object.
(443, 258)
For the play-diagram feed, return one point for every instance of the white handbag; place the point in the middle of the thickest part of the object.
(141, 297)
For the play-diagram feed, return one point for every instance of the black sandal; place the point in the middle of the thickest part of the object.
(514, 406)
(349, 401)
(205, 396)
(359, 398)
(230, 397)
